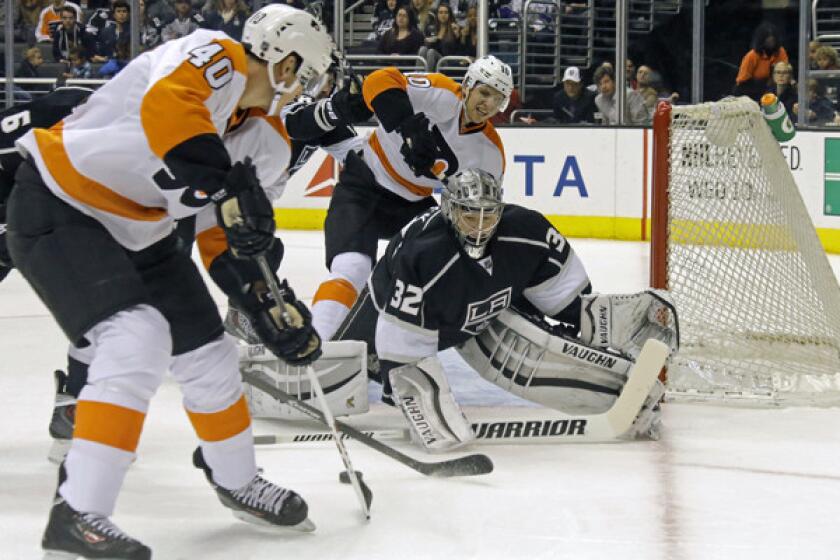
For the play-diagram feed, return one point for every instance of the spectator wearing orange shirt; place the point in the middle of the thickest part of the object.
(50, 19)
(756, 65)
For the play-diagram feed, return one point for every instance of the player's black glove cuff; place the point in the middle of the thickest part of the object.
(287, 332)
(350, 108)
(419, 146)
(244, 212)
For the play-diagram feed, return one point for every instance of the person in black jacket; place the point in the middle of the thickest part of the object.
(574, 104)
(70, 33)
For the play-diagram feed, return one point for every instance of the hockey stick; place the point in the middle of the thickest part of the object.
(607, 426)
(462, 466)
(363, 493)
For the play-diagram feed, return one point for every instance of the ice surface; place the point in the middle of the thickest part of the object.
(722, 483)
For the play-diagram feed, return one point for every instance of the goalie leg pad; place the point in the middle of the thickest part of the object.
(624, 322)
(424, 396)
(341, 370)
(527, 360)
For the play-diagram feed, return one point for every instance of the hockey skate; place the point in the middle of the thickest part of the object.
(648, 422)
(71, 534)
(63, 419)
(261, 502)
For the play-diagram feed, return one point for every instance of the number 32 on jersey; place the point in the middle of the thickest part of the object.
(217, 74)
(406, 298)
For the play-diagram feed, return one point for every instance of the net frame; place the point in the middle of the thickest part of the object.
(731, 238)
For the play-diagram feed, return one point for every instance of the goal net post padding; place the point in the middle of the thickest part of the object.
(758, 302)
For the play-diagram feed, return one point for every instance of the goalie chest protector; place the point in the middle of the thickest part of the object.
(427, 280)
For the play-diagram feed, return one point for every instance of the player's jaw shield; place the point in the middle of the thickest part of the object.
(472, 203)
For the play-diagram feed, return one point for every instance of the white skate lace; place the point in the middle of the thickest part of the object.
(104, 525)
(262, 494)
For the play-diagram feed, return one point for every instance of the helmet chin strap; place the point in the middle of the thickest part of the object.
(281, 91)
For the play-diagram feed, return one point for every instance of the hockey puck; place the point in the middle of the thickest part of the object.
(344, 478)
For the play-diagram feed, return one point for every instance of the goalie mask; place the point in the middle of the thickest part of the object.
(493, 72)
(472, 203)
(276, 31)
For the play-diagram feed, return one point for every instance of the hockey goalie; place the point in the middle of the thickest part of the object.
(502, 285)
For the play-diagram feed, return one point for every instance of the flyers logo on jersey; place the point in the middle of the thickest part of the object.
(479, 313)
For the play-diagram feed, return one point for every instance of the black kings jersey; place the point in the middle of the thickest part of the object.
(16, 121)
(430, 295)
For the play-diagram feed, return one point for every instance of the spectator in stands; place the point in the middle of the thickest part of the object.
(26, 19)
(117, 30)
(442, 40)
(651, 88)
(120, 60)
(299, 4)
(820, 108)
(67, 35)
(160, 10)
(784, 86)
(78, 65)
(28, 68)
(228, 16)
(150, 27)
(630, 74)
(754, 73)
(469, 33)
(574, 104)
(383, 18)
(50, 18)
(634, 110)
(185, 22)
(425, 17)
(813, 46)
(404, 37)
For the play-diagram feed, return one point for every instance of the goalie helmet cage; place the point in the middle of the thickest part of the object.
(758, 303)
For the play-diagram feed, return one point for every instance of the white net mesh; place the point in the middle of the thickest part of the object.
(759, 304)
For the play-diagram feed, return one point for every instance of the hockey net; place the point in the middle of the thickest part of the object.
(758, 303)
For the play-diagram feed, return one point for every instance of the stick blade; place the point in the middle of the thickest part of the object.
(344, 478)
(470, 465)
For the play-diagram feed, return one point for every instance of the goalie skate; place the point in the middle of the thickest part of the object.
(261, 502)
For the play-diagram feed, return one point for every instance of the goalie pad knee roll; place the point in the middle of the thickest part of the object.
(624, 322)
(528, 360)
(341, 370)
(424, 396)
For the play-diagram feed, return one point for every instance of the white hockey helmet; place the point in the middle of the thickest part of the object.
(471, 201)
(493, 72)
(275, 31)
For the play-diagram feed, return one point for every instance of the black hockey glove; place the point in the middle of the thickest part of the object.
(419, 145)
(288, 332)
(350, 108)
(244, 212)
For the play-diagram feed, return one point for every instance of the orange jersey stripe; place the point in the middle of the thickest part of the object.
(222, 425)
(336, 289)
(109, 424)
(86, 190)
(490, 132)
(382, 80)
(174, 109)
(377, 148)
(211, 243)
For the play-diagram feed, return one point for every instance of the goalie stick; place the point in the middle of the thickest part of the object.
(363, 493)
(559, 427)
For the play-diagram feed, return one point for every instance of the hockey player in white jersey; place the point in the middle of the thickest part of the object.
(110, 180)
(429, 128)
(451, 275)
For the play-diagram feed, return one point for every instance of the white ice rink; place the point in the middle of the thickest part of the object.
(722, 482)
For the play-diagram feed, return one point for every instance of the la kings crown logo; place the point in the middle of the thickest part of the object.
(479, 313)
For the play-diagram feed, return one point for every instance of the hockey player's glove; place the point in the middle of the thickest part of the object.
(244, 212)
(419, 145)
(350, 108)
(288, 332)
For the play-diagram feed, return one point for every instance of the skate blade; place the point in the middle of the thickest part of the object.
(58, 450)
(305, 526)
(59, 555)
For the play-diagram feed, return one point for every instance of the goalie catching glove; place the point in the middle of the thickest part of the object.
(624, 322)
(244, 211)
(286, 331)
